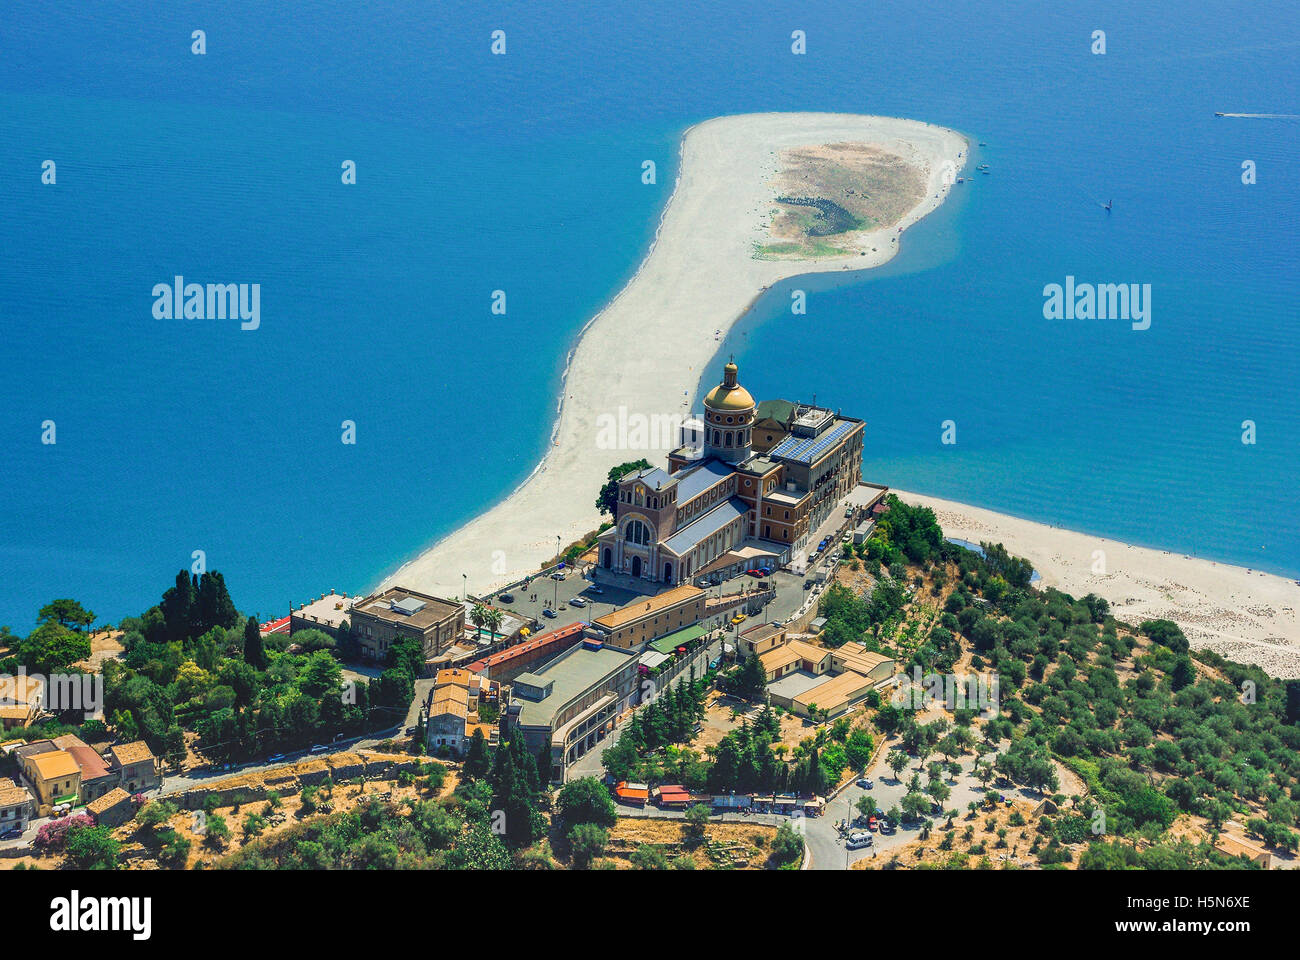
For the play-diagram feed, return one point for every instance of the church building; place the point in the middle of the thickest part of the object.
(719, 495)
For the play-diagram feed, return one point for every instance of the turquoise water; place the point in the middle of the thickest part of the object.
(521, 173)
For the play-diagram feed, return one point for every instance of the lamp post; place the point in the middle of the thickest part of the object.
(555, 603)
(464, 594)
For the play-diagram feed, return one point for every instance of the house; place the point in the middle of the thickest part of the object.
(1236, 847)
(777, 663)
(16, 806)
(814, 659)
(451, 710)
(135, 766)
(20, 700)
(96, 778)
(326, 613)
(112, 809)
(54, 776)
(854, 656)
(757, 640)
(834, 696)
(381, 619)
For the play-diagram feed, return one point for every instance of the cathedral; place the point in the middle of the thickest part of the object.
(750, 481)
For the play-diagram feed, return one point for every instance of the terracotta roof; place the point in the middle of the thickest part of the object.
(778, 658)
(646, 608)
(454, 676)
(56, 763)
(808, 651)
(19, 690)
(134, 752)
(108, 801)
(12, 794)
(91, 764)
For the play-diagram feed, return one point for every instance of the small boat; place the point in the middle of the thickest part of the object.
(1218, 114)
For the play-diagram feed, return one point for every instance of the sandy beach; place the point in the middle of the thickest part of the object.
(1243, 615)
(645, 350)
(642, 355)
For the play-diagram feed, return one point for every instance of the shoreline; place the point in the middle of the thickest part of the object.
(649, 346)
(710, 216)
(1240, 613)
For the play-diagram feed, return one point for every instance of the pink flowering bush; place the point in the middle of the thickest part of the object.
(53, 835)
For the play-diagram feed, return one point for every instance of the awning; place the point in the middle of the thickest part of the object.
(669, 643)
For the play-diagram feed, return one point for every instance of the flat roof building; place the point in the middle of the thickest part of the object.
(327, 613)
(573, 702)
(381, 619)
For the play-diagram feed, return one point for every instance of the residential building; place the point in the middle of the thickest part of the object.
(651, 618)
(54, 776)
(759, 639)
(326, 613)
(96, 778)
(17, 806)
(112, 809)
(379, 620)
(20, 700)
(135, 766)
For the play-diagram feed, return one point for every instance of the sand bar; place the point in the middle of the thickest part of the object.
(645, 350)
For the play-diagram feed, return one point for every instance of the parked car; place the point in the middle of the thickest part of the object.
(276, 758)
(865, 783)
(596, 590)
(872, 824)
(549, 613)
(740, 618)
(506, 597)
(558, 575)
(807, 584)
(754, 572)
(578, 602)
(319, 748)
(859, 840)
(886, 826)
(812, 557)
(713, 664)
(13, 833)
(848, 511)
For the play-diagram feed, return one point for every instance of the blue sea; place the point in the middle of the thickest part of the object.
(521, 173)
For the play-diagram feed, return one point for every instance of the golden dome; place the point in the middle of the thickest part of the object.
(729, 395)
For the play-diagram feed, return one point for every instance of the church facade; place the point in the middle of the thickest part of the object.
(719, 495)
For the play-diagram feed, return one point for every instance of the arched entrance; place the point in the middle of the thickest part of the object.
(636, 566)
(668, 573)
(607, 559)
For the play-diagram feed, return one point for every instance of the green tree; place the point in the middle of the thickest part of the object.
(586, 801)
(92, 848)
(607, 499)
(587, 842)
(68, 613)
(254, 651)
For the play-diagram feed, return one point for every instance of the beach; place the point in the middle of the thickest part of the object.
(643, 355)
(645, 350)
(1243, 615)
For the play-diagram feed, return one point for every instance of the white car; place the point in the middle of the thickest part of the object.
(577, 602)
(858, 840)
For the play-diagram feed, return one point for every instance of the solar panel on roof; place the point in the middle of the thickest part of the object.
(807, 449)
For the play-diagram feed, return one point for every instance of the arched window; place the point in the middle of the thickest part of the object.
(638, 533)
